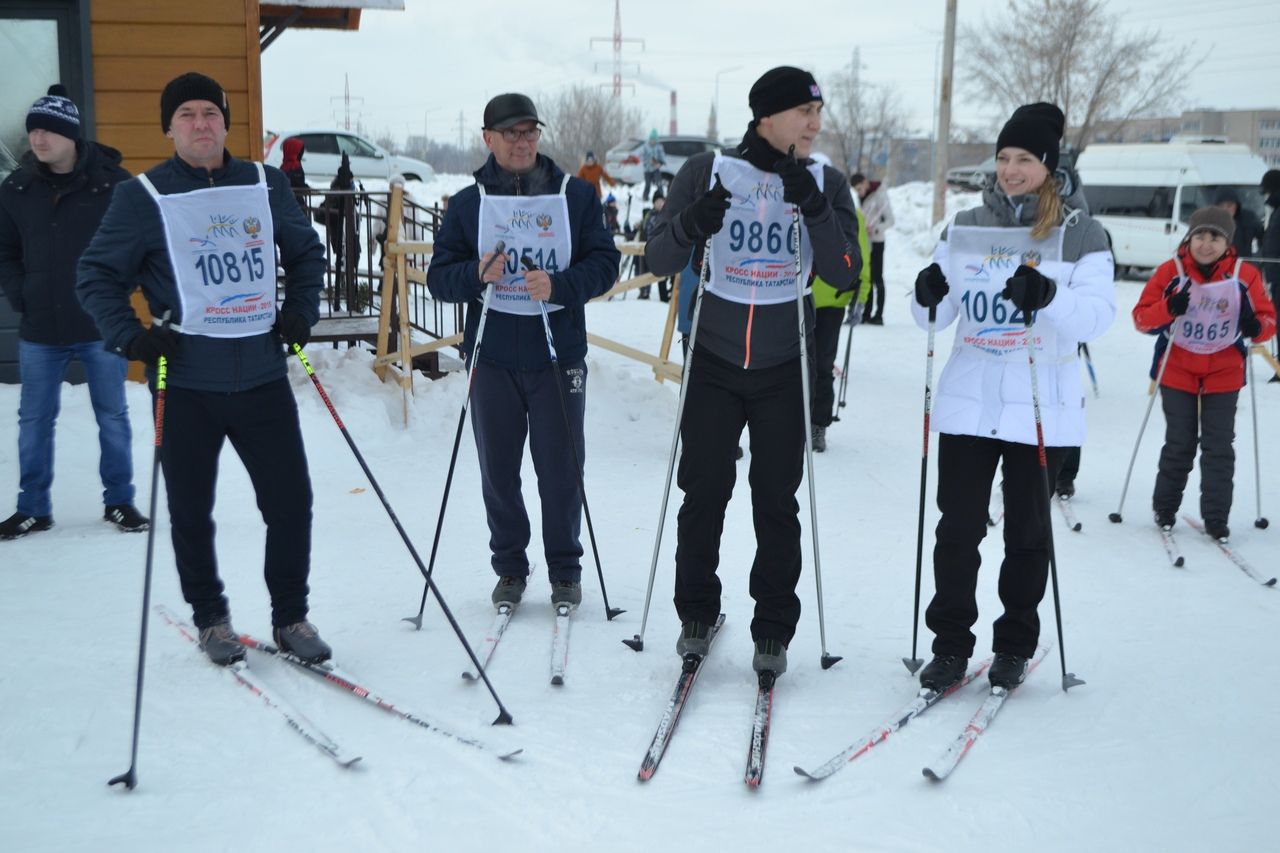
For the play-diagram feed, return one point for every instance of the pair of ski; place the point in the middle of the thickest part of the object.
(924, 700)
(1174, 553)
(331, 673)
(559, 641)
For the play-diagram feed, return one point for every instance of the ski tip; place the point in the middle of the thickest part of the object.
(1180, 562)
(507, 756)
(829, 661)
(805, 774)
(1077, 527)
(1271, 582)
(470, 677)
(753, 783)
(557, 680)
(930, 775)
(350, 762)
(635, 643)
(1069, 680)
(415, 621)
(1115, 518)
(912, 664)
(1262, 524)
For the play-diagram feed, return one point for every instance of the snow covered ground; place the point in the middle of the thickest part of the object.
(1170, 746)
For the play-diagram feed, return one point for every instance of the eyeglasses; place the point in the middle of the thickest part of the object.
(513, 136)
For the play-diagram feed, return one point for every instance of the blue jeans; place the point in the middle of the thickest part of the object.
(43, 367)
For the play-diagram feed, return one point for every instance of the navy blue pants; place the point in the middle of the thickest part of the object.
(721, 400)
(506, 407)
(966, 469)
(262, 425)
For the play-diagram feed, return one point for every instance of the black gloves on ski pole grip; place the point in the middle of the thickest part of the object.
(292, 328)
(1029, 289)
(153, 342)
(931, 286)
(706, 215)
(799, 186)
(1179, 298)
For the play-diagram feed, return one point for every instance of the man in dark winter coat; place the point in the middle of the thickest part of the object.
(201, 233)
(1271, 236)
(556, 255)
(49, 209)
(1248, 234)
(744, 367)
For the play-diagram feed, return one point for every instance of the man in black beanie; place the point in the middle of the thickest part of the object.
(50, 207)
(744, 366)
(202, 233)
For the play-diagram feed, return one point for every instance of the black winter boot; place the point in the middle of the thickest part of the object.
(1007, 670)
(302, 639)
(221, 643)
(943, 671)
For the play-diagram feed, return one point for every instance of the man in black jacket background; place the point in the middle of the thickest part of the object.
(50, 208)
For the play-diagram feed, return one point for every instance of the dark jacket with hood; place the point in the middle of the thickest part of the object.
(129, 249)
(1248, 225)
(1271, 245)
(46, 221)
(514, 341)
(755, 336)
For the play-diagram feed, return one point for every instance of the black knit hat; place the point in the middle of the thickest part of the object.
(1271, 182)
(1036, 128)
(781, 89)
(56, 113)
(192, 86)
(1214, 219)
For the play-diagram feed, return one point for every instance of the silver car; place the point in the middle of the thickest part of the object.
(622, 161)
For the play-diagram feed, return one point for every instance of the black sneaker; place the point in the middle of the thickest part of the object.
(127, 518)
(695, 639)
(1165, 519)
(221, 643)
(509, 590)
(1007, 670)
(303, 641)
(1217, 529)
(20, 524)
(943, 671)
(566, 592)
(770, 656)
(819, 438)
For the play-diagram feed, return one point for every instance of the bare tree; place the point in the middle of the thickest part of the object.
(859, 120)
(581, 119)
(1072, 53)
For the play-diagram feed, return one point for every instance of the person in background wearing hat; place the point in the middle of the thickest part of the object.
(1205, 301)
(642, 234)
(593, 170)
(879, 216)
(50, 207)
(553, 223)
(203, 233)
(744, 367)
(1048, 259)
(1248, 236)
(652, 158)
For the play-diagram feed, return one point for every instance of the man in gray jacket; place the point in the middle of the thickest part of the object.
(744, 368)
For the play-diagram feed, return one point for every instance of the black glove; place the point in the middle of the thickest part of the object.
(706, 215)
(1250, 326)
(1029, 289)
(931, 286)
(292, 329)
(799, 186)
(151, 343)
(1179, 299)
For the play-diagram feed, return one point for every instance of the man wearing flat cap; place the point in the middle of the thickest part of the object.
(555, 256)
(203, 233)
(744, 367)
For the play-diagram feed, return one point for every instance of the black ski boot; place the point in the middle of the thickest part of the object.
(566, 592)
(1165, 519)
(1007, 670)
(943, 671)
(695, 639)
(509, 590)
(770, 656)
(221, 643)
(303, 641)
(1217, 528)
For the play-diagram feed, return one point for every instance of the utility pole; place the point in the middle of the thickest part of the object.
(617, 41)
(460, 130)
(942, 160)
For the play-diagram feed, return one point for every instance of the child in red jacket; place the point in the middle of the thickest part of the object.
(1205, 301)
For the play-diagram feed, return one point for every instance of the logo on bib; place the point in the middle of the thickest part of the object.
(544, 221)
(521, 220)
(762, 191)
(252, 226)
(221, 225)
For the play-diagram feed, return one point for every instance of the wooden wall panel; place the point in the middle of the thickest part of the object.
(160, 39)
(151, 73)
(170, 12)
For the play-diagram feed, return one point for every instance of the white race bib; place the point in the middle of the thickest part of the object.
(1212, 321)
(221, 244)
(534, 227)
(753, 256)
(980, 262)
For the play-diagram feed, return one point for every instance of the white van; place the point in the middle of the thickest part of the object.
(1144, 194)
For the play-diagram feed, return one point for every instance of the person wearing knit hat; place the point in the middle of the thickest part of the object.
(202, 234)
(652, 158)
(743, 215)
(1203, 303)
(1270, 242)
(1026, 267)
(50, 208)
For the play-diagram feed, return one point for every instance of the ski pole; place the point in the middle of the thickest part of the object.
(609, 612)
(1088, 363)
(637, 642)
(1069, 679)
(1116, 516)
(129, 778)
(828, 660)
(416, 620)
(844, 372)
(913, 663)
(1261, 521)
(503, 716)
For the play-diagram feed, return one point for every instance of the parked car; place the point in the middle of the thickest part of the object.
(324, 150)
(973, 177)
(622, 161)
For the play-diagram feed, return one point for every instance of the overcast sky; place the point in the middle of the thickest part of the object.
(423, 66)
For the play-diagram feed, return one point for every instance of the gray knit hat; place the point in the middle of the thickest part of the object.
(1212, 219)
(56, 113)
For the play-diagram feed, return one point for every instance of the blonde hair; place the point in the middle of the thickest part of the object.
(1049, 213)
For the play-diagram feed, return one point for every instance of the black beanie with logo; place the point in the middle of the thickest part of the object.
(1037, 128)
(780, 89)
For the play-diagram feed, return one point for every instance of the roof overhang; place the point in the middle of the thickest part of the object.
(275, 18)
